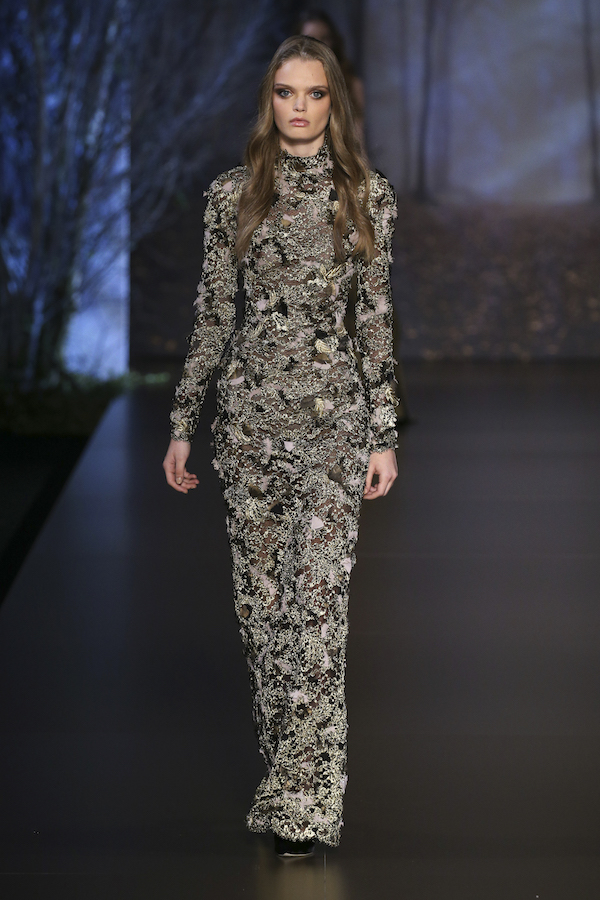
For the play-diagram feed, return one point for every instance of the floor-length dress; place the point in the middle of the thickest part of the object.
(296, 423)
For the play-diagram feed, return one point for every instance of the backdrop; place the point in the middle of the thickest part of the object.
(484, 114)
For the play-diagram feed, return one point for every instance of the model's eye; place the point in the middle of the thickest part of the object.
(318, 94)
(283, 92)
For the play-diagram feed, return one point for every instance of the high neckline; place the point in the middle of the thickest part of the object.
(319, 161)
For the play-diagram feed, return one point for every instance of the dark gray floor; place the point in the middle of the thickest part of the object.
(128, 756)
(33, 471)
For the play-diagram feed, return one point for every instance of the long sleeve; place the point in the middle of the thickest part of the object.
(214, 308)
(374, 319)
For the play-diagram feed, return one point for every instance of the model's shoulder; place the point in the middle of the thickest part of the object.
(381, 190)
(229, 184)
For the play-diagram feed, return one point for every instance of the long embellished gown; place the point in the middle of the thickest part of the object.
(296, 423)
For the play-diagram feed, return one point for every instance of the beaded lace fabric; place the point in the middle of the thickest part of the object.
(295, 425)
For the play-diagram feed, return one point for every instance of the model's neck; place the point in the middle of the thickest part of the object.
(302, 148)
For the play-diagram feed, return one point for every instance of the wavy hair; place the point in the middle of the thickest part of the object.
(350, 169)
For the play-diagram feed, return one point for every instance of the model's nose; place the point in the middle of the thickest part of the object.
(300, 104)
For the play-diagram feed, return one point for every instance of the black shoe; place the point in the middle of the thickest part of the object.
(293, 849)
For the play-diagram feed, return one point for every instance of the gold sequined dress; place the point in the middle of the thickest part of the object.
(296, 423)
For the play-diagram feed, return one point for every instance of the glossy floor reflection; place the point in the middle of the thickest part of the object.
(128, 756)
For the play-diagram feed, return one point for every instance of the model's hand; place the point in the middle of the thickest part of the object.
(385, 467)
(174, 465)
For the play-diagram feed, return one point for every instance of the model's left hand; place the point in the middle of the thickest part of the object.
(385, 467)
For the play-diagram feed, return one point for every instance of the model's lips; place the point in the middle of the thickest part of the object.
(298, 122)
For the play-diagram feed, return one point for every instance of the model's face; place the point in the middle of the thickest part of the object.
(316, 29)
(301, 105)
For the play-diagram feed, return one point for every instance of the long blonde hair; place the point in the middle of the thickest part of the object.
(350, 169)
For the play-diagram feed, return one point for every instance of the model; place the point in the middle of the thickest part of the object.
(305, 425)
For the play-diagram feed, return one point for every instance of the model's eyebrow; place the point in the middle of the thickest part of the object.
(315, 87)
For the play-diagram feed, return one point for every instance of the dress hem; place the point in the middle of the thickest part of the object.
(321, 835)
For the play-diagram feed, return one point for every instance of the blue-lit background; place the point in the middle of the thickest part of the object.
(484, 114)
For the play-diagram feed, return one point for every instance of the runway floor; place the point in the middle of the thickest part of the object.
(128, 755)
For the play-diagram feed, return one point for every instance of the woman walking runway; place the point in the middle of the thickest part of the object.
(303, 430)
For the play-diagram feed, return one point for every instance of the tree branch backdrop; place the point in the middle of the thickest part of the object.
(116, 115)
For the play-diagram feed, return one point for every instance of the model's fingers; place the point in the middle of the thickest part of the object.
(182, 488)
(389, 482)
(373, 491)
(384, 484)
(179, 470)
(380, 488)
